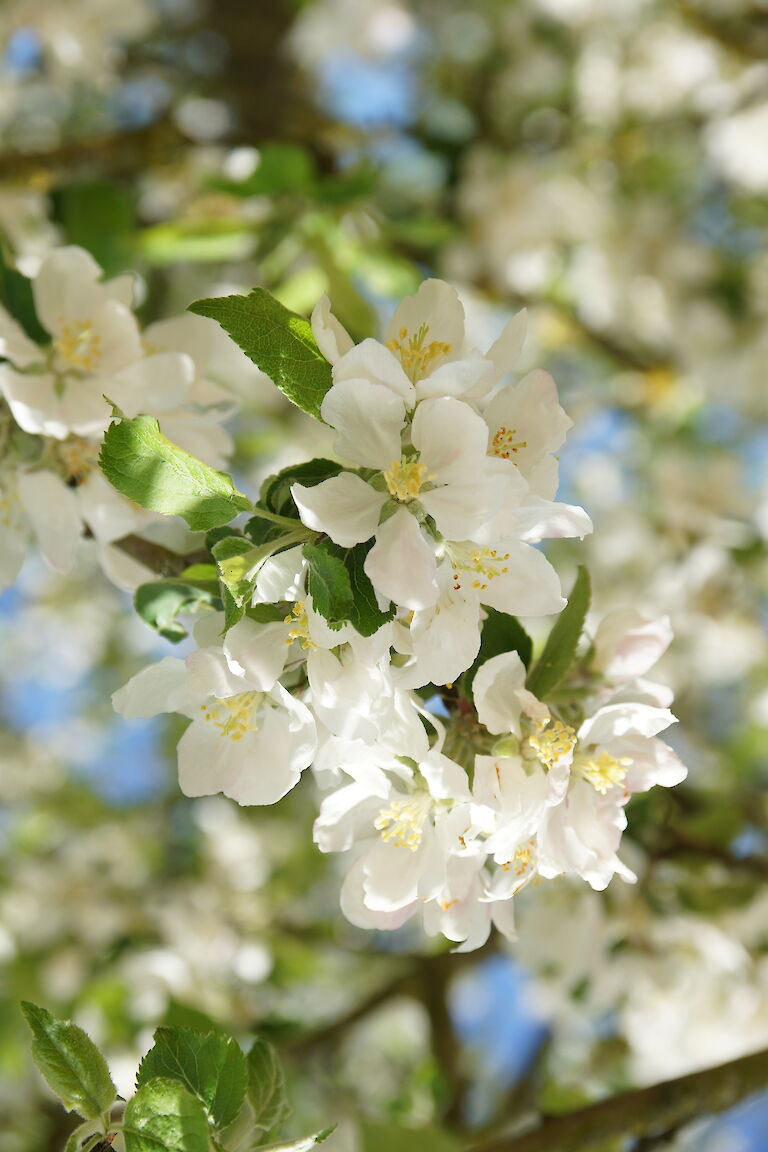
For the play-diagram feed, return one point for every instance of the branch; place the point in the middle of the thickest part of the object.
(645, 1112)
(115, 152)
(160, 560)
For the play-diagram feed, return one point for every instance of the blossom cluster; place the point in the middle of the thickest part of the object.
(448, 783)
(56, 396)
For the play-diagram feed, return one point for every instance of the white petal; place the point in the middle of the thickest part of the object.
(344, 507)
(333, 340)
(151, 691)
(617, 720)
(15, 345)
(38, 408)
(444, 638)
(653, 763)
(108, 514)
(435, 305)
(536, 519)
(627, 645)
(152, 384)
(450, 438)
(371, 361)
(469, 378)
(505, 352)
(357, 912)
(495, 690)
(391, 876)
(256, 652)
(368, 418)
(66, 286)
(53, 512)
(530, 587)
(401, 564)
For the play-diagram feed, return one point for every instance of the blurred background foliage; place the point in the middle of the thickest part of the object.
(603, 163)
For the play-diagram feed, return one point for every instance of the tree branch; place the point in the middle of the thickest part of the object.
(160, 560)
(645, 1112)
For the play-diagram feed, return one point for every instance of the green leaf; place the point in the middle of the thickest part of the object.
(343, 600)
(501, 633)
(159, 602)
(71, 1063)
(100, 216)
(211, 1066)
(329, 585)
(84, 1137)
(267, 1093)
(17, 297)
(560, 648)
(276, 490)
(279, 341)
(143, 464)
(235, 558)
(164, 1117)
(282, 169)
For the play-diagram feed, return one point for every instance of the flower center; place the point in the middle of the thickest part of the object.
(414, 354)
(78, 457)
(551, 741)
(504, 444)
(405, 477)
(474, 566)
(79, 345)
(299, 629)
(234, 716)
(603, 771)
(402, 823)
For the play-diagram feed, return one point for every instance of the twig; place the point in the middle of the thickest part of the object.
(645, 1112)
(160, 560)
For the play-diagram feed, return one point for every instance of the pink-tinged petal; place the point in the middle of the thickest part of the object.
(401, 564)
(617, 720)
(653, 763)
(368, 418)
(627, 645)
(53, 512)
(496, 690)
(535, 519)
(333, 340)
(529, 587)
(371, 361)
(344, 507)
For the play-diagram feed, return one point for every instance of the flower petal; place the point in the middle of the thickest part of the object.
(344, 507)
(368, 418)
(401, 564)
(333, 340)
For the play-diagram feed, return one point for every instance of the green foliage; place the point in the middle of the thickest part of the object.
(267, 1094)
(340, 590)
(159, 602)
(239, 562)
(212, 1067)
(283, 168)
(278, 341)
(164, 1117)
(16, 296)
(560, 648)
(98, 215)
(501, 633)
(70, 1062)
(143, 464)
(384, 1137)
(276, 490)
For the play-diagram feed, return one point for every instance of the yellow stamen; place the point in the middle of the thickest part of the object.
(405, 477)
(78, 456)
(235, 716)
(603, 771)
(415, 356)
(79, 345)
(504, 444)
(403, 823)
(476, 565)
(299, 629)
(551, 740)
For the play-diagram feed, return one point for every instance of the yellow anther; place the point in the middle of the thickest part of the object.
(415, 356)
(603, 771)
(299, 629)
(478, 565)
(78, 456)
(402, 824)
(504, 444)
(235, 716)
(551, 741)
(79, 345)
(405, 477)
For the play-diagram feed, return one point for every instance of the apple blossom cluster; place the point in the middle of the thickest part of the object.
(54, 407)
(363, 623)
